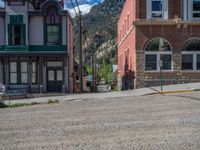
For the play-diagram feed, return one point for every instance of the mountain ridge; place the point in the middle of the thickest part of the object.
(101, 31)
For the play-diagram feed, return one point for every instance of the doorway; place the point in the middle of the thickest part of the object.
(54, 79)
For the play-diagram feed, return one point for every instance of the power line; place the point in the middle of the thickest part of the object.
(81, 45)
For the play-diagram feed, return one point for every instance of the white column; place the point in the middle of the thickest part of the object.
(185, 10)
(165, 8)
(190, 9)
(148, 9)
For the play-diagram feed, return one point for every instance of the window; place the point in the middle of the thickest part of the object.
(13, 72)
(191, 54)
(151, 62)
(187, 62)
(18, 72)
(53, 21)
(34, 72)
(16, 2)
(196, 9)
(52, 34)
(24, 72)
(16, 35)
(158, 55)
(157, 9)
(16, 30)
(166, 62)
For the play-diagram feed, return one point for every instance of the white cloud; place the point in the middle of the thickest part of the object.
(85, 8)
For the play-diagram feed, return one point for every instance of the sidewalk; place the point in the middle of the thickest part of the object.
(138, 92)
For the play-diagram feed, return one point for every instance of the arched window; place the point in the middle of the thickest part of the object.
(52, 21)
(158, 55)
(191, 54)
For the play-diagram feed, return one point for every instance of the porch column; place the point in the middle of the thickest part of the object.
(65, 72)
(29, 73)
(1, 71)
(41, 88)
(6, 71)
(44, 75)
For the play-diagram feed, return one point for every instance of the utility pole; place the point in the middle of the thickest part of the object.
(81, 53)
(93, 73)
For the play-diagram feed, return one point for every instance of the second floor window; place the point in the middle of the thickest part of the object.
(156, 11)
(16, 35)
(53, 20)
(16, 30)
(196, 9)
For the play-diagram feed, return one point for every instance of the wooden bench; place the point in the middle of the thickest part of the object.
(15, 92)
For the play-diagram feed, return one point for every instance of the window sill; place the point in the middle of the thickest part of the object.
(158, 71)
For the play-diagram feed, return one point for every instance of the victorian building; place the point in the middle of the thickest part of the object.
(36, 46)
(158, 42)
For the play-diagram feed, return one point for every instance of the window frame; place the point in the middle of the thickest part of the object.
(158, 56)
(188, 52)
(34, 72)
(23, 72)
(165, 12)
(158, 59)
(194, 54)
(193, 11)
(18, 73)
(22, 4)
(47, 34)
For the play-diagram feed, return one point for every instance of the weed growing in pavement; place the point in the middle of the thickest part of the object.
(51, 101)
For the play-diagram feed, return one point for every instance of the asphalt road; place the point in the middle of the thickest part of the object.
(153, 122)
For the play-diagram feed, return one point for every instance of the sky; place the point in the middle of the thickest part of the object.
(85, 5)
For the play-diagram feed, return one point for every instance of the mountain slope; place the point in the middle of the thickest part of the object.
(101, 31)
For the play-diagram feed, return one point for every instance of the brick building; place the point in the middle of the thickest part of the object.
(158, 38)
(36, 46)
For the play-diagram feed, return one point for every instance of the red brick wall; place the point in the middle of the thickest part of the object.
(174, 9)
(126, 39)
(176, 37)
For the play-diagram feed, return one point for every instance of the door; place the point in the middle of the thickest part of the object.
(54, 80)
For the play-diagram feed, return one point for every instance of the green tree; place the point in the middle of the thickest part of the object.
(106, 73)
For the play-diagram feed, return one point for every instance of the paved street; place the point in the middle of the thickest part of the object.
(128, 123)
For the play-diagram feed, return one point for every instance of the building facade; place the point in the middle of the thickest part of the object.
(36, 46)
(158, 42)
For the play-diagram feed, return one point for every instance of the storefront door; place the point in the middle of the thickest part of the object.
(54, 80)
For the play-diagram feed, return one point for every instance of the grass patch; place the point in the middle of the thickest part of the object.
(51, 101)
(3, 105)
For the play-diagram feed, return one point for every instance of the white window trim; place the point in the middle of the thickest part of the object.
(188, 10)
(158, 60)
(164, 9)
(194, 53)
